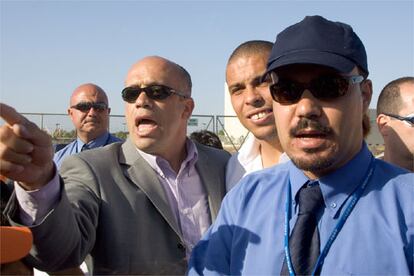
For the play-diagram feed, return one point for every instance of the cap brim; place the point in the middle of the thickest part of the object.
(15, 243)
(337, 62)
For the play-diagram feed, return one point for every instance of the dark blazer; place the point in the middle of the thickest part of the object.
(114, 207)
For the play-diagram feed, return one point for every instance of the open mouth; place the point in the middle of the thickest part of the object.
(145, 126)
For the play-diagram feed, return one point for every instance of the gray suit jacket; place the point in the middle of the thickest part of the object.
(114, 207)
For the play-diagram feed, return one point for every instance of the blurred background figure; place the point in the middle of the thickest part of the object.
(89, 112)
(395, 119)
(207, 138)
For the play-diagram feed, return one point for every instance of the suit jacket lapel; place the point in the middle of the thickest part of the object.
(211, 180)
(140, 173)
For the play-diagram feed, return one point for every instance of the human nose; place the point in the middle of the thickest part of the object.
(143, 100)
(254, 97)
(93, 111)
(308, 106)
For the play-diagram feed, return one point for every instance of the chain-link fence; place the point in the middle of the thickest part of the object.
(231, 133)
(229, 129)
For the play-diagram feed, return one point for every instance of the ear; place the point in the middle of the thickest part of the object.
(383, 124)
(366, 91)
(188, 107)
(109, 110)
(69, 112)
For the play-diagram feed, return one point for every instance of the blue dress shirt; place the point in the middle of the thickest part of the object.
(377, 238)
(76, 146)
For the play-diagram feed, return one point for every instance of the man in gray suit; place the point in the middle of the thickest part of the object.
(136, 207)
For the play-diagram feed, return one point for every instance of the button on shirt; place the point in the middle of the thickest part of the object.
(376, 239)
(185, 193)
(76, 146)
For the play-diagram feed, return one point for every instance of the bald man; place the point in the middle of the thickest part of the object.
(137, 207)
(89, 112)
(395, 119)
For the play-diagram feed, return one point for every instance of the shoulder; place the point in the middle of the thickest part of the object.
(234, 171)
(390, 173)
(64, 151)
(234, 159)
(259, 183)
(234, 165)
(113, 138)
(212, 152)
(393, 183)
(96, 157)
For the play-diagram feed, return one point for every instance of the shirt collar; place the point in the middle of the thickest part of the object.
(337, 186)
(249, 150)
(95, 143)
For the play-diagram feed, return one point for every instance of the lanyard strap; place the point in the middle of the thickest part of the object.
(354, 198)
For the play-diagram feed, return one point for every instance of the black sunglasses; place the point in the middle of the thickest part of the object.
(86, 106)
(408, 119)
(328, 87)
(155, 92)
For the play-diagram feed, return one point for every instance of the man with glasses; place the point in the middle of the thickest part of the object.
(395, 120)
(333, 209)
(89, 112)
(137, 207)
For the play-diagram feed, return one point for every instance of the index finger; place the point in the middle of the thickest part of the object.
(10, 115)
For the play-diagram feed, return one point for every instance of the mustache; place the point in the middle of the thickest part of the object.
(308, 124)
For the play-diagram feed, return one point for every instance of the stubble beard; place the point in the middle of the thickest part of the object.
(315, 161)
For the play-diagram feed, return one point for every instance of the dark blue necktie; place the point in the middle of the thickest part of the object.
(304, 242)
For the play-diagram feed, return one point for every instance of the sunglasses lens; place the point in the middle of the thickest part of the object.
(324, 88)
(83, 106)
(410, 120)
(99, 106)
(157, 92)
(329, 87)
(130, 94)
(285, 91)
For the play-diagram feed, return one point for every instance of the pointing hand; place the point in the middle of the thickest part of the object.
(26, 151)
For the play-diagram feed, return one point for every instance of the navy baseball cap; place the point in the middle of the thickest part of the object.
(316, 40)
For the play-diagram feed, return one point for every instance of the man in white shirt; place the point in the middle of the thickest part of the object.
(252, 102)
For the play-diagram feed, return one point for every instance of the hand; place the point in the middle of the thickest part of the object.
(26, 151)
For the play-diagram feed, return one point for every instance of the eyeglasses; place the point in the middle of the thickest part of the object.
(409, 120)
(155, 92)
(325, 88)
(86, 106)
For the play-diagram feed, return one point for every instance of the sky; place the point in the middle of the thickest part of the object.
(48, 48)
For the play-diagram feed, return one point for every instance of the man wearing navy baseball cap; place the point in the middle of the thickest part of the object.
(333, 209)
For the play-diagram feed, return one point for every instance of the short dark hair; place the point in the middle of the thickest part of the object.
(251, 47)
(207, 138)
(389, 100)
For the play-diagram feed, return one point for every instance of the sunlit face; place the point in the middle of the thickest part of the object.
(321, 136)
(401, 138)
(156, 126)
(93, 123)
(250, 97)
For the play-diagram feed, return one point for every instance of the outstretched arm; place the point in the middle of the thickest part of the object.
(26, 151)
